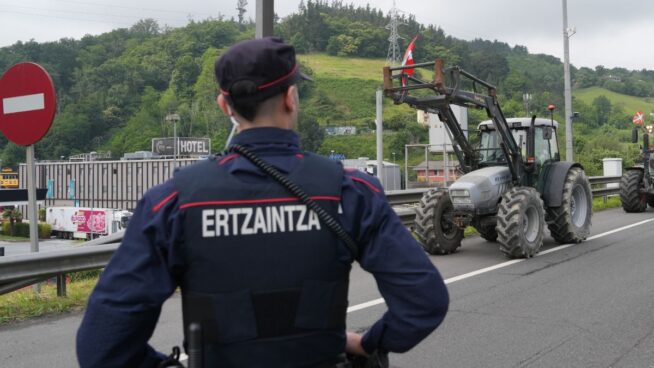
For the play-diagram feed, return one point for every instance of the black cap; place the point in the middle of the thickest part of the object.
(255, 70)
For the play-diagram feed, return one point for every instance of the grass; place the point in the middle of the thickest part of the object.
(630, 104)
(599, 204)
(12, 238)
(25, 304)
(324, 65)
(345, 90)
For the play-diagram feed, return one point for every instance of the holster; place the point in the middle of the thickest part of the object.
(378, 359)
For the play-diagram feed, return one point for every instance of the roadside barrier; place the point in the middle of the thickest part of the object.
(17, 272)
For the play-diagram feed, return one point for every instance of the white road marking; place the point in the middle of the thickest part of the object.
(12, 105)
(354, 308)
(371, 303)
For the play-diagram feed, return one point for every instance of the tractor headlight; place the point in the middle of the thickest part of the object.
(459, 193)
(460, 196)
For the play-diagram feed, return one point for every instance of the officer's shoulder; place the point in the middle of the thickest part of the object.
(159, 195)
(198, 165)
(363, 181)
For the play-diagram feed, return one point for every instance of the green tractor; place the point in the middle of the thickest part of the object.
(513, 184)
(637, 183)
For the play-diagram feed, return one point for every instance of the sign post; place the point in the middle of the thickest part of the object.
(31, 200)
(27, 109)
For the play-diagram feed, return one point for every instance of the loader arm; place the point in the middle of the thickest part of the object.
(446, 94)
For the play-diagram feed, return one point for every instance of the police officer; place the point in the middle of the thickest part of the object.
(264, 277)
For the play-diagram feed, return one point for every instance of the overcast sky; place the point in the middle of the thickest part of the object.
(610, 33)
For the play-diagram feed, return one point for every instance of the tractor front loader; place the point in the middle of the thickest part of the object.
(514, 184)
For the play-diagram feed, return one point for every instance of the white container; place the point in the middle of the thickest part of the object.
(612, 167)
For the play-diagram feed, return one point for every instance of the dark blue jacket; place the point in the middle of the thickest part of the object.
(124, 307)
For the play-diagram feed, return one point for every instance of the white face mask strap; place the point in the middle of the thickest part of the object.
(235, 124)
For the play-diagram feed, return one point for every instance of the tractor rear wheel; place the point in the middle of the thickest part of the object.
(570, 222)
(434, 225)
(631, 191)
(520, 222)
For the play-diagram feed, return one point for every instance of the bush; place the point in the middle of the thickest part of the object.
(45, 230)
(22, 229)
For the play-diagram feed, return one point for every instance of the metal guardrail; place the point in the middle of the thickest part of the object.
(407, 214)
(28, 269)
(20, 271)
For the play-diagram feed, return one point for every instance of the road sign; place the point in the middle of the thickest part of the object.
(639, 118)
(27, 103)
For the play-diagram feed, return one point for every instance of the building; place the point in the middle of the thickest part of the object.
(392, 178)
(341, 130)
(435, 172)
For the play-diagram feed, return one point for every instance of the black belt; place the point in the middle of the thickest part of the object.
(272, 314)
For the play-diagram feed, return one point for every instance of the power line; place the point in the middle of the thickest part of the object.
(125, 7)
(136, 17)
(67, 18)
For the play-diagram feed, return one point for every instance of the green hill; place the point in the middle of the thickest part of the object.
(344, 91)
(630, 104)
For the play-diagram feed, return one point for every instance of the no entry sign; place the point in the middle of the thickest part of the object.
(27, 103)
(639, 118)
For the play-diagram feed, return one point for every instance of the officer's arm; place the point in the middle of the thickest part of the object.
(124, 307)
(413, 289)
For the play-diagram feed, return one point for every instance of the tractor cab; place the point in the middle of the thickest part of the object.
(546, 147)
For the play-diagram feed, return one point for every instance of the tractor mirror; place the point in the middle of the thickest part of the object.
(547, 133)
(634, 135)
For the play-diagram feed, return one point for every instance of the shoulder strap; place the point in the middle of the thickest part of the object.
(323, 215)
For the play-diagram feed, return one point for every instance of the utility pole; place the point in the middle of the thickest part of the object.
(567, 33)
(265, 18)
(174, 118)
(380, 140)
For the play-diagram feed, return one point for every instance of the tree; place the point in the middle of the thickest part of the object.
(12, 215)
(601, 111)
(240, 7)
(311, 134)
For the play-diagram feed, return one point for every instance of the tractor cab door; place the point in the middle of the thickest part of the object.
(546, 145)
(546, 152)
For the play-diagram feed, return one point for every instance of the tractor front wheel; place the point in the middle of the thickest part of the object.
(632, 194)
(434, 224)
(521, 222)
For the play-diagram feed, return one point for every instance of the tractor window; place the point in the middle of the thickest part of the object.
(520, 136)
(490, 150)
(545, 149)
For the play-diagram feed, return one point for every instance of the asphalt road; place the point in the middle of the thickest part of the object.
(585, 305)
(14, 248)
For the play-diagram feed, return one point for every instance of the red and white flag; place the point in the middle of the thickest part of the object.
(408, 59)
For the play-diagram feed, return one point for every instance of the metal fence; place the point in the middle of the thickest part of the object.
(99, 184)
(21, 271)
